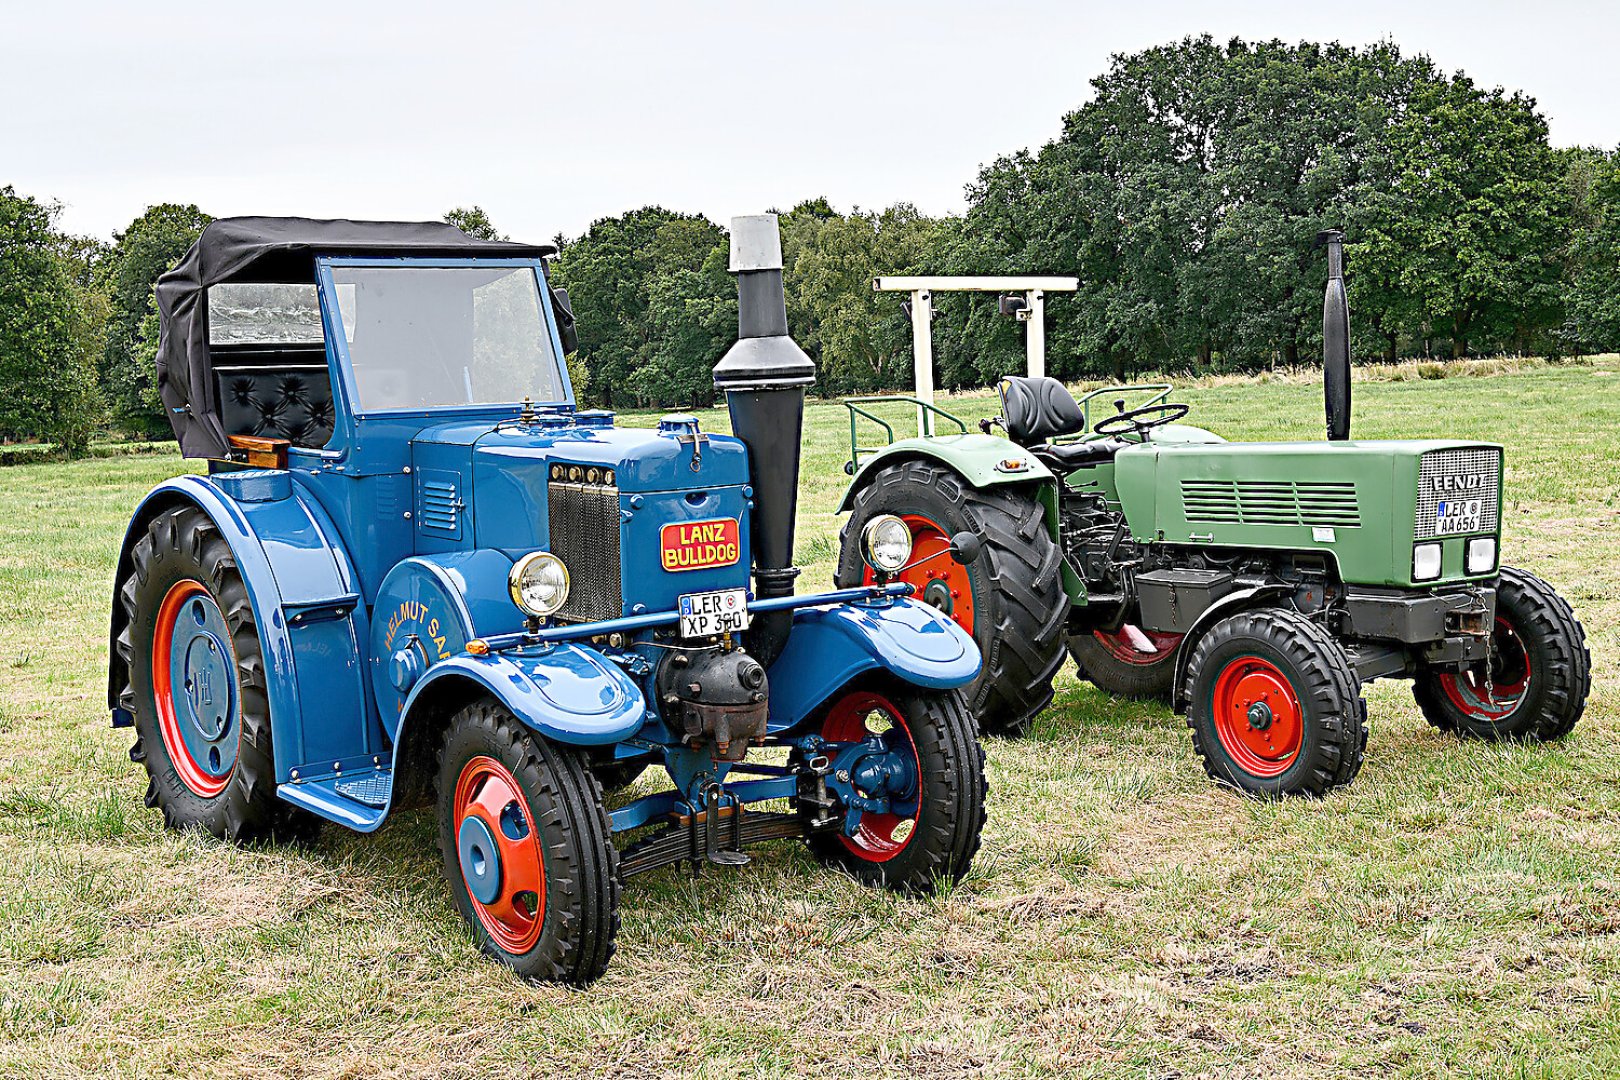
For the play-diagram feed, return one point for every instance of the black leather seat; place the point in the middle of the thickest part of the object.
(1036, 410)
(284, 394)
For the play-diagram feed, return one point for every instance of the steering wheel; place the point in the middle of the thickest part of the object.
(1141, 420)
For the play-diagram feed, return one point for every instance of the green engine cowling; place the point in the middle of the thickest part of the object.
(1365, 504)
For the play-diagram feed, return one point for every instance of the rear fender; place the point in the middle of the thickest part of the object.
(831, 646)
(566, 692)
(978, 458)
(303, 591)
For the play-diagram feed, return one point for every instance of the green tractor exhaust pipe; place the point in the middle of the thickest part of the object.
(1335, 339)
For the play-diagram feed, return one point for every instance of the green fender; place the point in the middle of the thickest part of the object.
(978, 458)
(982, 461)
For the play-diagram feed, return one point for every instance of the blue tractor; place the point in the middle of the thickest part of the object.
(417, 572)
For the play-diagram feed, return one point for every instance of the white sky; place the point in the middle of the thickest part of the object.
(551, 116)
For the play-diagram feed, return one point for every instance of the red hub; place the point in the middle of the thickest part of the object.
(941, 581)
(1494, 696)
(1133, 645)
(498, 844)
(853, 718)
(1258, 717)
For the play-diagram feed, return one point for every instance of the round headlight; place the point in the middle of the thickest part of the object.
(886, 543)
(539, 584)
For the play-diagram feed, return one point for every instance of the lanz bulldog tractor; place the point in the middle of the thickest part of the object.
(415, 567)
(1254, 586)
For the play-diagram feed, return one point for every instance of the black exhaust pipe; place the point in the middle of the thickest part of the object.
(1335, 339)
(764, 375)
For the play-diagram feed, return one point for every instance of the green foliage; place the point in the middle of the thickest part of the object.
(51, 322)
(148, 248)
(473, 221)
(1593, 266)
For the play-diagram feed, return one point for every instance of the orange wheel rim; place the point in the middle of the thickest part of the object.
(1258, 717)
(498, 848)
(941, 581)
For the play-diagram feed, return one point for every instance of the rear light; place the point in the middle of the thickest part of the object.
(1425, 562)
(1481, 555)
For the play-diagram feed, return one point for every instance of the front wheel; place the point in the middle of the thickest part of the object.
(1535, 682)
(526, 847)
(911, 757)
(1275, 708)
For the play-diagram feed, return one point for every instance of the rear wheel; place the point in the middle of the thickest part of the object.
(526, 847)
(1275, 708)
(196, 686)
(1010, 599)
(1129, 662)
(913, 753)
(1534, 684)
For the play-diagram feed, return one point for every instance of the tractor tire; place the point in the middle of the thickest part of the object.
(1115, 665)
(205, 743)
(527, 847)
(911, 854)
(1539, 677)
(1011, 599)
(1275, 707)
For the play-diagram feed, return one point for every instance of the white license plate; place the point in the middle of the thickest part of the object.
(1455, 516)
(708, 614)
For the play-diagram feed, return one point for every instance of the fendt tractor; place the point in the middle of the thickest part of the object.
(416, 571)
(1254, 586)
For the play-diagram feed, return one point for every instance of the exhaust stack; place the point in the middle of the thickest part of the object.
(764, 375)
(1335, 339)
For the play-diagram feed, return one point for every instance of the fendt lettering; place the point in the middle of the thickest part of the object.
(1449, 485)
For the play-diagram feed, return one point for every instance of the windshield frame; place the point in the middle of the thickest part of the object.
(337, 343)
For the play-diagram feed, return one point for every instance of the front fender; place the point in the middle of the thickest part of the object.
(830, 646)
(1230, 604)
(566, 692)
(976, 457)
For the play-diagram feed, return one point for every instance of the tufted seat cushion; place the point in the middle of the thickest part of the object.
(287, 402)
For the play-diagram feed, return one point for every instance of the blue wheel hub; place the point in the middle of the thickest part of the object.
(202, 680)
(480, 859)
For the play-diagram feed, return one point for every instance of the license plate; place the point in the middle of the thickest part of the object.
(1454, 516)
(708, 614)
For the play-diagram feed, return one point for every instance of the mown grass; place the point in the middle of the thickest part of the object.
(1456, 911)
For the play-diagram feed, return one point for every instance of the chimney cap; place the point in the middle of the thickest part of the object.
(756, 243)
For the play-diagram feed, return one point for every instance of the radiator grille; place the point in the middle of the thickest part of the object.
(1483, 462)
(1271, 502)
(584, 522)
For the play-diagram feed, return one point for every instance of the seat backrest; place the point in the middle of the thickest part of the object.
(283, 393)
(1038, 409)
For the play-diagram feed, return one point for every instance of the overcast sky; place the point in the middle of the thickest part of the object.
(551, 116)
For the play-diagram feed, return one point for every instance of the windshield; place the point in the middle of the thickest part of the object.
(424, 337)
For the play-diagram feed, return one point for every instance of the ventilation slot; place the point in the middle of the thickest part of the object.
(439, 503)
(584, 521)
(1271, 502)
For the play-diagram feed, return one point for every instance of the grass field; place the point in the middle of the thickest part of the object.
(1456, 911)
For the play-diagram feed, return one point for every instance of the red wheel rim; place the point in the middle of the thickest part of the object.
(191, 773)
(1258, 717)
(1495, 697)
(1124, 646)
(941, 581)
(878, 837)
(514, 910)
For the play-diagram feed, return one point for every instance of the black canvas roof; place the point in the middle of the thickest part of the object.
(271, 249)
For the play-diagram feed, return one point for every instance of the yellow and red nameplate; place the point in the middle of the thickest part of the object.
(698, 545)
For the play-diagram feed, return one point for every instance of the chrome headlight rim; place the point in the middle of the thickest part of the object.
(518, 575)
(881, 540)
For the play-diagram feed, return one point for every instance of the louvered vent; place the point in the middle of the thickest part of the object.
(1271, 502)
(439, 502)
(584, 519)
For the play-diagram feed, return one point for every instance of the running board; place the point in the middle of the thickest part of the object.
(357, 800)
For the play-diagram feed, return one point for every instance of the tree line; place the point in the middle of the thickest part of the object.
(1185, 195)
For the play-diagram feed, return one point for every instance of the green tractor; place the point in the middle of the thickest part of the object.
(1254, 587)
